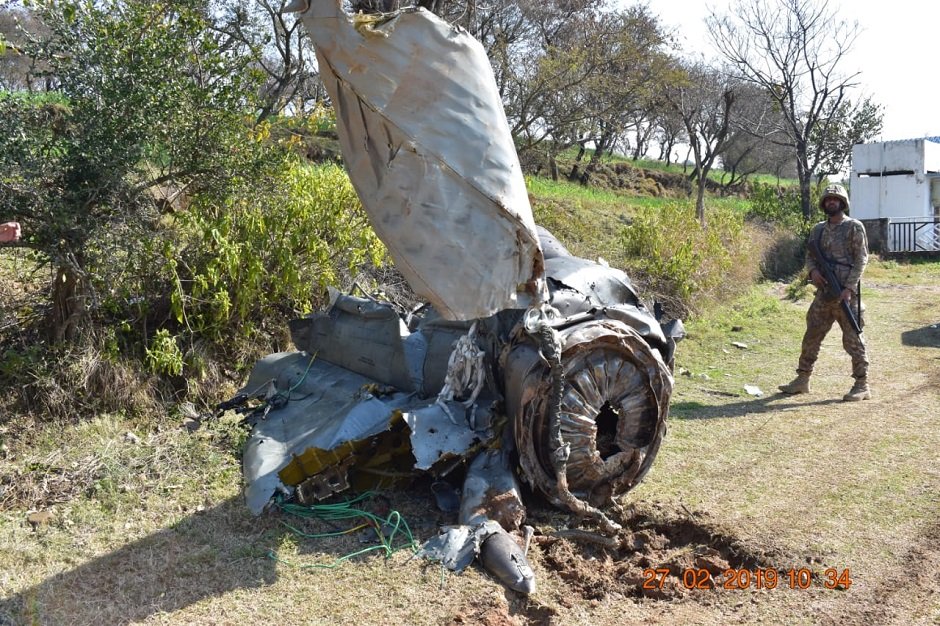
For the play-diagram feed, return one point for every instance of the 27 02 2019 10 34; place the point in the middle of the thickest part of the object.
(742, 578)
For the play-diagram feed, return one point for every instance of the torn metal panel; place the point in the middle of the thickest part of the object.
(324, 406)
(551, 247)
(435, 438)
(594, 284)
(454, 213)
(581, 286)
(490, 491)
(363, 336)
(456, 547)
(330, 415)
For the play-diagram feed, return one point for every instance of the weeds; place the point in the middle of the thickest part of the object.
(798, 288)
(687, 265)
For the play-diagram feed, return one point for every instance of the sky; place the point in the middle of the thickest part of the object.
(896, 52)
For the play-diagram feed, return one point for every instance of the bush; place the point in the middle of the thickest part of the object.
(686, 265)
(784, 252)
(266, 252)
(204, 291)
(146, 95)
(779, 206)
(778, 211)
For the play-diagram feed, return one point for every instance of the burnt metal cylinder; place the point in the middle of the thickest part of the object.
(614, 403)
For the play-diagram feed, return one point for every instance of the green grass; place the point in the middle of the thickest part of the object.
(809, 472)
(708, 359)
(906, 271)
(543, 187)
(151, 527)
(677, 168)
(623, 202)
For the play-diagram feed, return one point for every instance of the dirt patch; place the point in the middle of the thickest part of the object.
(660, 554)
(488, 613)
(517, 611)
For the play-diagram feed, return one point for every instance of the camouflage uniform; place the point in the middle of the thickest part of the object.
(846, 247)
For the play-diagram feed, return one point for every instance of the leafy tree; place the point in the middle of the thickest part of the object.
(622, 97)
(17, 70)
(850, 123)
(279, 48)
(541, 69)
(146, 104)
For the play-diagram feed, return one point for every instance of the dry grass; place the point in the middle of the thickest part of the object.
(149, 527)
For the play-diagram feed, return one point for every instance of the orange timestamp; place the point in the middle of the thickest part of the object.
(760, 578)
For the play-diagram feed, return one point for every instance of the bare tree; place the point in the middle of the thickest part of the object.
(669, 131)
(756, 143)
(280, 48)
(794, 50)
(704, 101)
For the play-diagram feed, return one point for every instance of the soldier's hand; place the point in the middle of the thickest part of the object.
(817, 278)
(847, 295)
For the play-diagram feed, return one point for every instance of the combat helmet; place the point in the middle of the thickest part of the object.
(835, 191)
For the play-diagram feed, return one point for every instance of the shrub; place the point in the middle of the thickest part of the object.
(780, 206)
(687, 265)
(204, 291)
(164, 355)
(266, 251)
(146, 95)
(783, 250)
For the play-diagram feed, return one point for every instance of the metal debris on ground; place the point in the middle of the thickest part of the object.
(527, 364)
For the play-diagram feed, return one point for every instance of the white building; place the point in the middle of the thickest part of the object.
(898, 184)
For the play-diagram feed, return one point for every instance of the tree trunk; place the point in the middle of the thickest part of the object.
(575, 173)
(805, 177)
(68, 301)
(602, 145)
(642, 141)
(700, 200)
(805, 193)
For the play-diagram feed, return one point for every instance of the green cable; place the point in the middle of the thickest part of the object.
(344, 511)
(302, 378)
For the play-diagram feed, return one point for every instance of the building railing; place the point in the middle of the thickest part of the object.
(914, 235)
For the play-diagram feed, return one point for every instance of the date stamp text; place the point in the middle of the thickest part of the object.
(759, 578)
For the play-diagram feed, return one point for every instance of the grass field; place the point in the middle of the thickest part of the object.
(677, 168)
(120, 520)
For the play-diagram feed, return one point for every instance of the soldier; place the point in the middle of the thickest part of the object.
(843, 243)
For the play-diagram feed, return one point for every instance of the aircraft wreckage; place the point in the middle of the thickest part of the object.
(527, 362)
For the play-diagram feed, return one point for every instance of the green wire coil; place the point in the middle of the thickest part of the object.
(344, 512)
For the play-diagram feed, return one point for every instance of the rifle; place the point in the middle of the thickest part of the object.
(834, 286)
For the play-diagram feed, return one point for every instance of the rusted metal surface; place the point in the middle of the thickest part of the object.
(613, 408)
